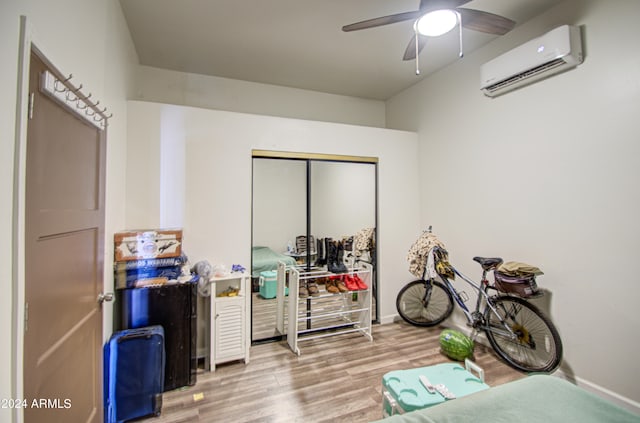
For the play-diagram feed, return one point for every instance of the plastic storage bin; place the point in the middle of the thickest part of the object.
(402, 390)
(268, 283)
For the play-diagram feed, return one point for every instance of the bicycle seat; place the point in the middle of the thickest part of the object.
(488, 263)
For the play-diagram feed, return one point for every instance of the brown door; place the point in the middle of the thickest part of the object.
(64, 262)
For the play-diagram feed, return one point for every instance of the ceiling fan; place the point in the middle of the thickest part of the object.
(476, 20)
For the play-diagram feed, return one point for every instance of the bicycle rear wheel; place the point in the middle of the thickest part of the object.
(424, 303)
(536, 347)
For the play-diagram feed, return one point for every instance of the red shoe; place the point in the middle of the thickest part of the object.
(350, 283)
(359, 283)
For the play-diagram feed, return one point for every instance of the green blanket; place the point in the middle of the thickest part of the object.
(537, 398)
(264, 259)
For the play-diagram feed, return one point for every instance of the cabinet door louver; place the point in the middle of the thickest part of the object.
(230, 333)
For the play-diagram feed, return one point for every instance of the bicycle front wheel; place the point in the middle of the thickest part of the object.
(532, 344)
(424, 303)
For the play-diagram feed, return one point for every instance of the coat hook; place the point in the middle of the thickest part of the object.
(55, 86)
(68, 95)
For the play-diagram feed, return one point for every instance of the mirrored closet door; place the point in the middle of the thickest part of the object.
(279, 213)
(301, 205)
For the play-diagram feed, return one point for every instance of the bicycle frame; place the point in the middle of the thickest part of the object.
(482, 290)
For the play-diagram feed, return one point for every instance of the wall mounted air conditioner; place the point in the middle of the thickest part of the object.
(556, 51)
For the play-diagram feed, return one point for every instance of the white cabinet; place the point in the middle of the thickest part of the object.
(229, 326)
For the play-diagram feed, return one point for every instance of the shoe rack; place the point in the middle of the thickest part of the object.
(325, 314)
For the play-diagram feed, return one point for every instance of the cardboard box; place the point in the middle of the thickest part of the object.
(147, 244)
(134, 278)
(121, 266)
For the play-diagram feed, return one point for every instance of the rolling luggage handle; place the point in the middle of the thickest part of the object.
(470, 365)
(134, 333)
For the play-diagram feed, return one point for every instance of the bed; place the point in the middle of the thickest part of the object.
(264, 259)
(537, 398)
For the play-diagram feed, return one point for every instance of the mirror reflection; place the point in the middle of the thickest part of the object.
(307, 213)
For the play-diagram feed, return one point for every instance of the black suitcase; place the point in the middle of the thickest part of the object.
(174, 307)
(134, 362)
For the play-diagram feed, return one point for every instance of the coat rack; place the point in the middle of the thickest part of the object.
(71, 97)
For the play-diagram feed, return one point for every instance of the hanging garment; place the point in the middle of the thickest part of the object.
(422, 256)
(363, 241)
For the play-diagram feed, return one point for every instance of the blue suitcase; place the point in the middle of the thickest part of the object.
(402, 390)
(134, 362)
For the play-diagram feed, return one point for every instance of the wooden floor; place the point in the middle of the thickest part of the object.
(263, 317)
(336, 379)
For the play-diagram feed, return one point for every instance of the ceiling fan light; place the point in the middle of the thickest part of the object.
(436, 23)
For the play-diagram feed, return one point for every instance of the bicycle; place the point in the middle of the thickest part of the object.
(517, 330)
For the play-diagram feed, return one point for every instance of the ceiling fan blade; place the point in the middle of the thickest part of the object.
(383, 20)
(429, 5)
(410, 51)
(485, 22)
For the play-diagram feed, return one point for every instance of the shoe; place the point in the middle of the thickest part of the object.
(327, 251)
(314, 291)
(303, 292)
(340, 258)
(335, 255)
(360, 283)
(321, 259)
(331, 287)
(340, 284)
(350, 283)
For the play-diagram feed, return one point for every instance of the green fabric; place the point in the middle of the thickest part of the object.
(537, 398)
(264, 258)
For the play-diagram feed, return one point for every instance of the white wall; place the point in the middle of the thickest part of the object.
(209, 92)
(217, 206)
(547, 175)
(91, 41)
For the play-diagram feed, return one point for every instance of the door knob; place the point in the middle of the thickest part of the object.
(102, 297)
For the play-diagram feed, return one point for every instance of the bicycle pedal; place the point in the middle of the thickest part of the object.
(444, 392)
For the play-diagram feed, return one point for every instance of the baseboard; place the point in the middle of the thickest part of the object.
(389, 319)
(596, 389)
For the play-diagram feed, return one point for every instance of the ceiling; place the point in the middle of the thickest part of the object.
(299, 43)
